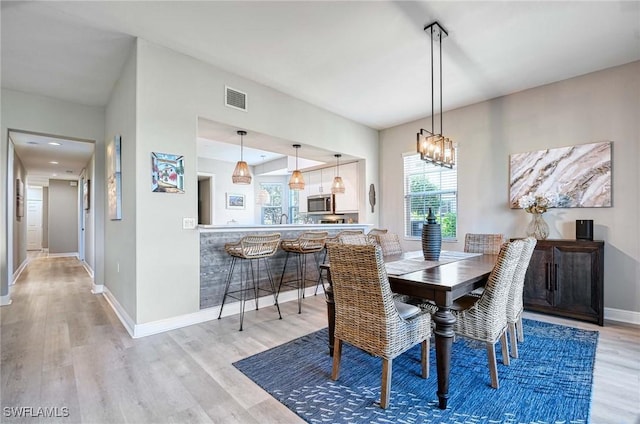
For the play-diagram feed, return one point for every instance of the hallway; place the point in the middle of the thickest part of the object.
(64, 348)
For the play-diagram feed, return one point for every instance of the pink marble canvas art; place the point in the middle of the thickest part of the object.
(576, 176)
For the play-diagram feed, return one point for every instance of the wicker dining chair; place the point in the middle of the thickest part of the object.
(390, 244)
(367, 316)
(250, 250)
(360, 239)
(483, 243)
(374, 233)
(515, 304)
(486, 319)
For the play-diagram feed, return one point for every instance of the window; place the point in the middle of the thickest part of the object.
(429, 186)
(272, 211)
(294, 206)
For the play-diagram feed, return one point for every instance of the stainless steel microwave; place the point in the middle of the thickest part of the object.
(320, 203)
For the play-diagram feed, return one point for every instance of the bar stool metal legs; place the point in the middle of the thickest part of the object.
(250, 250)
(307, 244)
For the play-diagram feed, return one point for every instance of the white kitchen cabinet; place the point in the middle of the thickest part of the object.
(349, 201)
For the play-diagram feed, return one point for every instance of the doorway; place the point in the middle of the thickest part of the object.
(34, 218)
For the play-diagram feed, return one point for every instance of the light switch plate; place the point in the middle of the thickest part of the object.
(188, 223)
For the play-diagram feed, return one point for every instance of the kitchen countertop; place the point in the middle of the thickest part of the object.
(278, 227)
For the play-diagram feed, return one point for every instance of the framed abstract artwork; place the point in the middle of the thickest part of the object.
(575, 177)
(167, 173)
(114, 179)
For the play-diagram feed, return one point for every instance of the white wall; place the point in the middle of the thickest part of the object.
(19, 224)
(596, 107)
(223, 185)
(173, 91)
(28, 112)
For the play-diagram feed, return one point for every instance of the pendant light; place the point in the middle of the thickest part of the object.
(338, 185)
(435, 147)
(263, 197)
(297, 180)
(241, 175)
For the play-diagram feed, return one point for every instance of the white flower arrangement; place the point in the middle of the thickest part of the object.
(537, 203)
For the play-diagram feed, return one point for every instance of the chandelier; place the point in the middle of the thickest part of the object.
(435, 147)
(241, 174)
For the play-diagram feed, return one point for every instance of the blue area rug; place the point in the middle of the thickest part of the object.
(550, 382)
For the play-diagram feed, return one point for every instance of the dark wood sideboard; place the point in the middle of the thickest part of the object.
(565, 278)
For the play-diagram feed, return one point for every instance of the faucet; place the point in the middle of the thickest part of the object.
(286, 218)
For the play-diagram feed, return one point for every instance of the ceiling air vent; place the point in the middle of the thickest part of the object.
(235, 99)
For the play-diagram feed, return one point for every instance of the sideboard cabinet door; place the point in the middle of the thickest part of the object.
(565, 278)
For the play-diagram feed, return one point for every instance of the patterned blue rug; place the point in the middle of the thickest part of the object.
(550, 382)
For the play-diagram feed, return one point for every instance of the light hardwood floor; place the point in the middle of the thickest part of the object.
(64, 347)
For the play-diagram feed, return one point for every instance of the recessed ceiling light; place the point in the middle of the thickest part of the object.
(68, 171)
(53, 162)
(55, 175)
(32, 142)
(55, 143)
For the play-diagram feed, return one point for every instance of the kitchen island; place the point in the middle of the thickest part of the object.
(215, 262)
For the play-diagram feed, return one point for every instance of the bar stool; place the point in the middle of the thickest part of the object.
(309, 242)
(252, 248)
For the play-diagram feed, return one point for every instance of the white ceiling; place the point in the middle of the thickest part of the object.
(364, 60)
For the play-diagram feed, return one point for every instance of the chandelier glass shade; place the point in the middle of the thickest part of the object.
(296, 182)
(241, 173)
(435, 147)
(338, 185)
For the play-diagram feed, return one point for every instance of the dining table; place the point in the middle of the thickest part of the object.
(452, 276)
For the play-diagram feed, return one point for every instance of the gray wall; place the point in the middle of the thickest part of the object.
(19, 224)
(63, 216)
(120, 236)
(41, 114)
(600, 106)
(45, 217)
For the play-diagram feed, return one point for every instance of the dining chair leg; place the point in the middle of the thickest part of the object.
(337, 355)
(425, 358)
(505, 348)
(386, 382)
(513, 339)
(493, 365)
(520, 329)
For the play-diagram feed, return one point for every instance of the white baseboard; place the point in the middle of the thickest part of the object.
(97, 288)
(160, 326)
(88, 269)
(21, 268)
(63, 255)
(5, 300)
(622, 315)
(122, 315)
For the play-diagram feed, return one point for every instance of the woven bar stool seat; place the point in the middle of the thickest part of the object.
(307, 243)
(250, 250)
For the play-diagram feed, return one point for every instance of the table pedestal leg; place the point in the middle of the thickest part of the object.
(444, 334)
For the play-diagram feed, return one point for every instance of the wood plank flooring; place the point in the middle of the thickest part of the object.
(63, 347)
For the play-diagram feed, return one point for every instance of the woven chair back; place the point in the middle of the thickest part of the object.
(254, 246)
(483, 243)
(390, 244)
(359, 239)
(488, 318)
(376, 231)
(515, 303)
(365, 312)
